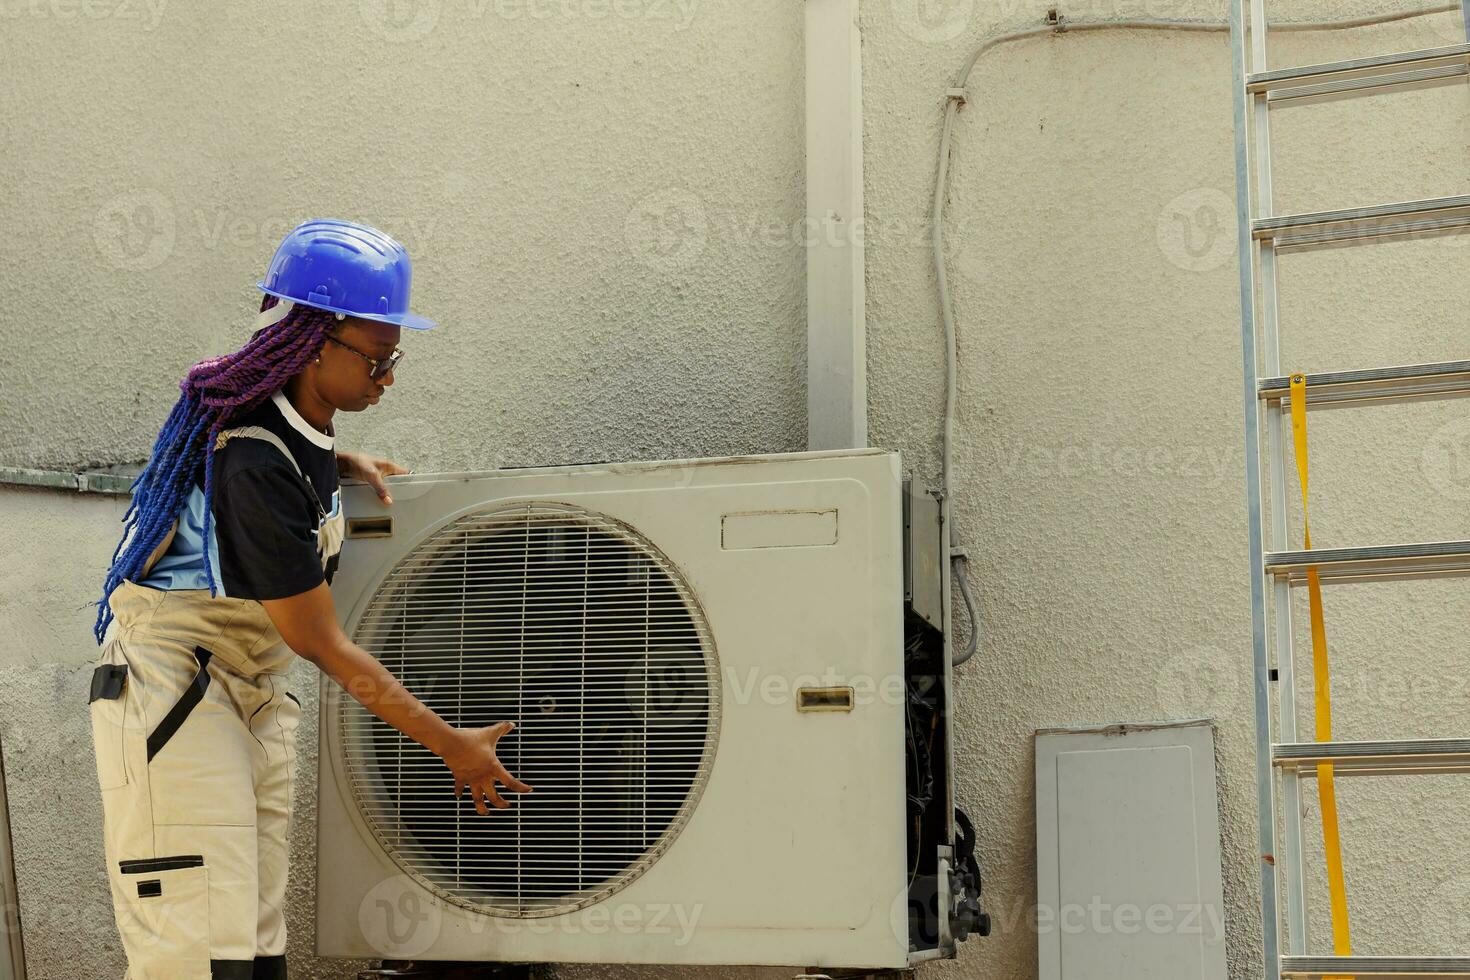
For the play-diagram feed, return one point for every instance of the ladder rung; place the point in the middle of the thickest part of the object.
(1362, 73)
(1406, 381)
(1402, 81)
(1439, 214)
(1375, 966)
(1431, 755)
(1381, 562)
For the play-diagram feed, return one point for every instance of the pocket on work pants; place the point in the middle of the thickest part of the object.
(108, 702)
(163, 917)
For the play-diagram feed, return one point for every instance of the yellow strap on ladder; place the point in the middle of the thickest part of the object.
(1331, 843)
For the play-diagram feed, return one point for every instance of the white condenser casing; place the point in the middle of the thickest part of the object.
(704, 659)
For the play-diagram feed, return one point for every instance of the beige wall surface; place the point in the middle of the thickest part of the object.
(604, 203)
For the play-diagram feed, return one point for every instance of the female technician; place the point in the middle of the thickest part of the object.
(229, 545)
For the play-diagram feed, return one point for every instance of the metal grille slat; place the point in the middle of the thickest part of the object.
(547, 635)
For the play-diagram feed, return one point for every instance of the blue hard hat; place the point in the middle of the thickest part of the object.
(346, 268)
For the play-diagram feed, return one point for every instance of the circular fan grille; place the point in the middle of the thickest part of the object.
(578, 629)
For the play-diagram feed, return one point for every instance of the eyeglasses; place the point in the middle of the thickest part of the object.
(380, 365)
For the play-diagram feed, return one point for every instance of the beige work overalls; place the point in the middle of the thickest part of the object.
(194, 733)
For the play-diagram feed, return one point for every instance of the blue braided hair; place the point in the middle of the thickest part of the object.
(215, 392)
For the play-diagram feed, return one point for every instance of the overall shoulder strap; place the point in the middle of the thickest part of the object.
(266, 435)
(257, 432)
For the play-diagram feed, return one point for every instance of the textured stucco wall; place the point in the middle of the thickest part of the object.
(604, 204)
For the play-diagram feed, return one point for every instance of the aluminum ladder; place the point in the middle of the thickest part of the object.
(1275, 569)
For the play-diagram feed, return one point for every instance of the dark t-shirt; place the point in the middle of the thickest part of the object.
(264, 541)
(265, 517)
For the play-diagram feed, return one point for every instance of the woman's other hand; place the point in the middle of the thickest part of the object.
(370, 470)
(471, 757)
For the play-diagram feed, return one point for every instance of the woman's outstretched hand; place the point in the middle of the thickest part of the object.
(471, 757)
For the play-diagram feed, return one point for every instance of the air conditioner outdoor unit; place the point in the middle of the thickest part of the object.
(715, 676)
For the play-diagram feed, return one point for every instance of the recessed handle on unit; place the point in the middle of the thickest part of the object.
(370, 527)
(824, 699)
